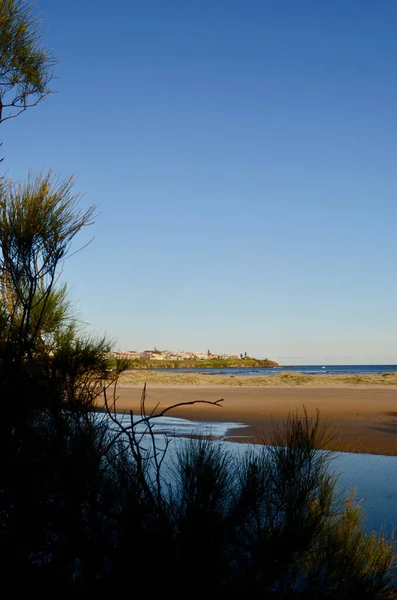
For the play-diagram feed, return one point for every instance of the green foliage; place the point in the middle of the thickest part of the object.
(38, 221)
(50, 443)
(349, 562)
(25, 65)
(212, 363)
(78, 368)
(44, 361)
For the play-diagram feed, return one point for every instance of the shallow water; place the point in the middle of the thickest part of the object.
(373, 476)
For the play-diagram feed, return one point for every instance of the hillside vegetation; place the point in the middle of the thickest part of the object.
(212, 363)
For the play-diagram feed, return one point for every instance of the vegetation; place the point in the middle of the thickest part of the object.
(286, 379)
(210, 363)
(25, 64)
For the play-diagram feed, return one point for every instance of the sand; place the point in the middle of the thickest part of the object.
(366, 416)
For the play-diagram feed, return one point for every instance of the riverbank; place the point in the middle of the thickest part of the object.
(365, 415)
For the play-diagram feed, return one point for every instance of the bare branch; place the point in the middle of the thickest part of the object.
(20, 108)
(156, 455)
(163, 412)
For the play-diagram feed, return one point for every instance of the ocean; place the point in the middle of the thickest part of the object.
(306, 369)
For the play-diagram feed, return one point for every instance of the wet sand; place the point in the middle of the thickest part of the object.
(366, 416)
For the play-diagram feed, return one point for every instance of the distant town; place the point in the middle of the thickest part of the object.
(156, 354)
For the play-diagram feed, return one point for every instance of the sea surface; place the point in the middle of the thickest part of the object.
(306, 369)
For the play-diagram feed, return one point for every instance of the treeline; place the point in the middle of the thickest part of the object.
(211, 363)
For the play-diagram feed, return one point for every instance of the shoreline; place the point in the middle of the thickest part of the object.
(365, 416)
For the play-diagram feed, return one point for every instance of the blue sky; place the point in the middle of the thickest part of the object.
(243, 157)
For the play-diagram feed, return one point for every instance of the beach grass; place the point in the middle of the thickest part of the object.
(287, 379)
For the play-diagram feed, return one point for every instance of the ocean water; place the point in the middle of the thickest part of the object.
(373, 477)
(306, 369)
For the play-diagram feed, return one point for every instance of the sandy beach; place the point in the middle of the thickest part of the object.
(366, 416)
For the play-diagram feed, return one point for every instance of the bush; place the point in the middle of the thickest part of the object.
(269, 523)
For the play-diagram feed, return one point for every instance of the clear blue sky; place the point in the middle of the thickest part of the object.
(243, 156)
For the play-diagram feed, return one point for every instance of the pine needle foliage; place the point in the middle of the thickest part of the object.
(26, 66)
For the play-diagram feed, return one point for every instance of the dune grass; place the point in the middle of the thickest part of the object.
(287, 379)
